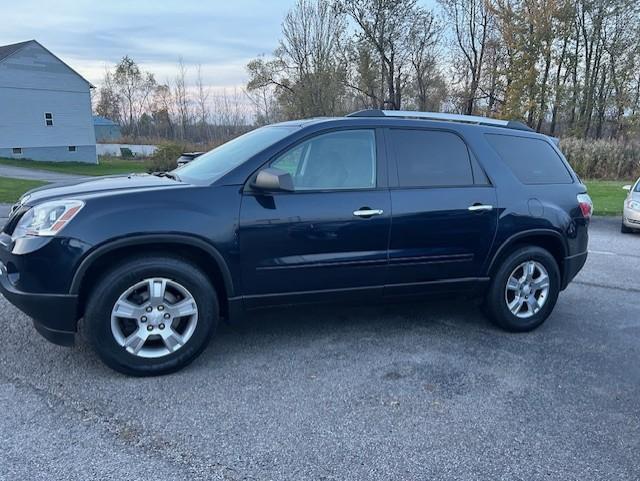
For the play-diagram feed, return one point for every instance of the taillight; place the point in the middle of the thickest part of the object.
(586, 205)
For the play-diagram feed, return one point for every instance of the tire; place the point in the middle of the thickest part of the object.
(161, 348)
(624, 229)
(499, 298)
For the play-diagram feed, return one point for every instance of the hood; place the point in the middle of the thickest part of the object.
(102, 185)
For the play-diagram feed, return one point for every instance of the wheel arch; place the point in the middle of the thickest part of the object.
(196, 250)
(547, 239)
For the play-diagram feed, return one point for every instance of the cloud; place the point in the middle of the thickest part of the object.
(222, 36)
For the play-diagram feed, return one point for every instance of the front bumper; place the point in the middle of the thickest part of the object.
(631, 218)
(54, 315)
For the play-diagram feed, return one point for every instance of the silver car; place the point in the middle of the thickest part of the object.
(631, 213)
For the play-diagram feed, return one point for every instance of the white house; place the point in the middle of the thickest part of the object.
(45, 107)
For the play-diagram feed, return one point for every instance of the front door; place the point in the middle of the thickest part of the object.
(444, 210)
(326, 239)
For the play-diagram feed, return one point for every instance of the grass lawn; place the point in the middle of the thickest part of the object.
(107, 166)
(11, 189)
(607, 196)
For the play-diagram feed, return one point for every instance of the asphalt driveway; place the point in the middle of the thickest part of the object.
(418, 391)
(32, 174)
(35, 174)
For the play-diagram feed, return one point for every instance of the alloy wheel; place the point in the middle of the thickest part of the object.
(527, 289)
(154, 318)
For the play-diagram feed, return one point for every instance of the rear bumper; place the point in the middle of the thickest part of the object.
(54, 315)
(572, 265)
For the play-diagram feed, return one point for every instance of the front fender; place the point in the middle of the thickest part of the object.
(147, 239)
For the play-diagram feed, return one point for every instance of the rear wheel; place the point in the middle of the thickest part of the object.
(151, 315)
(524, 290)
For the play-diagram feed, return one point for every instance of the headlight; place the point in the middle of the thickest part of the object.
(633, 205)
(48, 218)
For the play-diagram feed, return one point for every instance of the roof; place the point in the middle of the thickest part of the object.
(304, 122)
(7, 50)
(103, 121)
(446, 117)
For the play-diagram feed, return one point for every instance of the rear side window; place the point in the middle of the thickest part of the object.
(431, 158)
(533, 161)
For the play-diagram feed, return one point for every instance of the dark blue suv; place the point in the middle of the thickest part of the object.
(371, 206)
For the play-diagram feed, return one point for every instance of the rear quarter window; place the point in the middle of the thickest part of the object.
(533, 161)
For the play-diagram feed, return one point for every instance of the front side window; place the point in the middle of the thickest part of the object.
(431, 158)
(339, 160)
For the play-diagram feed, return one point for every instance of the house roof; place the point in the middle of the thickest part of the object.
(7, 50)
(99, 120)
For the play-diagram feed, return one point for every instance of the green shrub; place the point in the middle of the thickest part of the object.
(166, 156)
(602, 159)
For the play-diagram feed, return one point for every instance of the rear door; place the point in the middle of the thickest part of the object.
(329, 236)
(444, 210)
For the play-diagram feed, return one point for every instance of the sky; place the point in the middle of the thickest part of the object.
(220, 35)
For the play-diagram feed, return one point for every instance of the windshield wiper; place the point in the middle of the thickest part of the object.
(169, 175)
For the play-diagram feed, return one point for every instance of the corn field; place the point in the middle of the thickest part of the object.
(602, 159)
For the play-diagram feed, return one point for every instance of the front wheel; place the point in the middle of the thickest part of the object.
(151, 315)
(624, 229)
(524, 290)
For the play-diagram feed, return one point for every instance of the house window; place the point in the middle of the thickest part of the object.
(48, 119)
(72, 148)
(17, 150)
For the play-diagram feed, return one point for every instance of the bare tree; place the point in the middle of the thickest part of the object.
(162, 111)
(134, 87)
(265, 104)
(305, 70)
(181, 99)
(202, 102)
(388, 25)
(472, 22)
(108, 104)
(422, 41)
(230, 118)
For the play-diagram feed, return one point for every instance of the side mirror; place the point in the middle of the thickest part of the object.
(627, 187)
(272, 179)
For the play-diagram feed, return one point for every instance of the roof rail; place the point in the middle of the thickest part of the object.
(469, 119)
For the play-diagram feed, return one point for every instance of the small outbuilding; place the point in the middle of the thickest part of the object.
(106, 129)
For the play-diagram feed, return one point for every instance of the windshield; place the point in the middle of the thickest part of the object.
(214, 164)
(637, 189)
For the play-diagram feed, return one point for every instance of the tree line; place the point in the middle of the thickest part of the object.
(565, 67)
(182, 109)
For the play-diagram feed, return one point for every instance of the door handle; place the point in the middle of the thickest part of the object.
(364, 212)
(480, 207)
